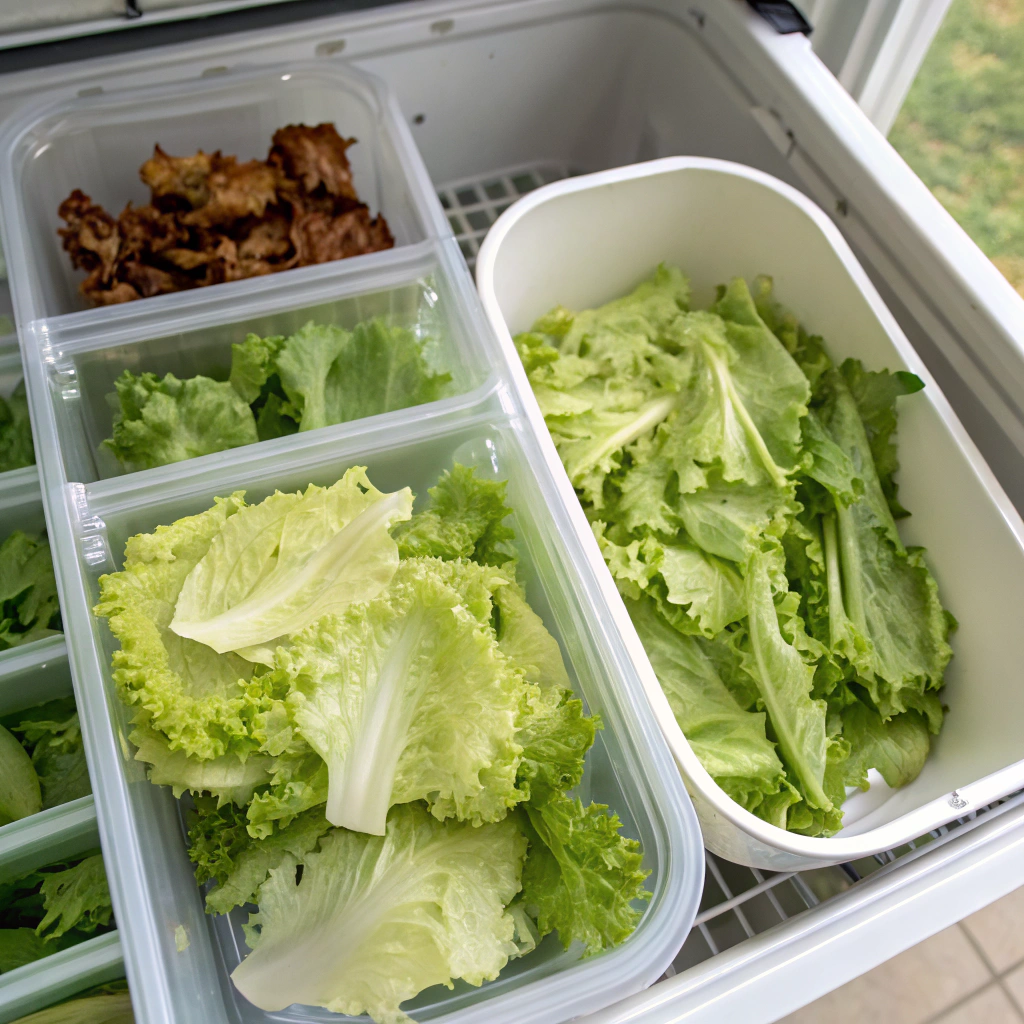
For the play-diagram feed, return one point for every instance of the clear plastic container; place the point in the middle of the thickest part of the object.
(60, 975)
(584, 241)
(98, 141)
(154, 889)
(10, 376)
(412, 293)
(21, 508)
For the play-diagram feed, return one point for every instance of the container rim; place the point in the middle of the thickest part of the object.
(816, 851)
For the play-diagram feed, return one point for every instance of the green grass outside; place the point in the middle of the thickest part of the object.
(962, 126)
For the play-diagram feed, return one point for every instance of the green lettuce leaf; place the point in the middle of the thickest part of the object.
(254, 365)
(20, 946)
(275, 567)
(887, 592)
(51, 732)
(164, 420)
(785, 682)
(332, 376)
(729, 740)
(408, 697)
(205, 703)
(19, 784)
(896, 748)
(16, 448)
(77, 898)
(875, 393)
(29, 609)
(582, 877)
(222, 849)
(465, 519)
(372, 920)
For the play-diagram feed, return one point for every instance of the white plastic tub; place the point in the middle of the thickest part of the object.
(584, 241)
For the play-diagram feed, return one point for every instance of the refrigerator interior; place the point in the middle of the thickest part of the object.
(502, 97)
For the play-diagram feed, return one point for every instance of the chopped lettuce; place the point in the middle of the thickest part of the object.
(29, 609)
(319, 376)
(743, 493)
(16, 448)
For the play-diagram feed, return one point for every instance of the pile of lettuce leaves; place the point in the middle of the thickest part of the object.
(51, 908)
(29, 608)
(42, 759)
(742, 488)
(379, 736)
(319, 376)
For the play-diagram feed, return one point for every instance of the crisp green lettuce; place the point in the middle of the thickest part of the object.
(52, 734)
(77, 897)
(743, 493)
(19, 784)
(465, 519)
(164, 420)
(275, 567)
(408, 698)
(319, 376)
(729, 739)
(29, 609)
(16, 448)
(374, 920)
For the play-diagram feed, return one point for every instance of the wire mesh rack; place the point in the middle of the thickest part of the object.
(738, 902)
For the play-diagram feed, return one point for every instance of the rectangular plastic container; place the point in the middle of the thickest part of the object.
(96, 142)
(60, 975)
(412, 292)
(584, 241)
(32, 675)
(155, 894)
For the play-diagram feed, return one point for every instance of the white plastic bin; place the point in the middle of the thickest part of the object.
(584, 241)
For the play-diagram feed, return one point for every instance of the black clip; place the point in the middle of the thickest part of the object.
(782, 15)
(131, 9)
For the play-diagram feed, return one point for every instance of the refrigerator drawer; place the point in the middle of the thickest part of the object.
(504, 96)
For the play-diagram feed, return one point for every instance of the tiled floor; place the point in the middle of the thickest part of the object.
(972, 973)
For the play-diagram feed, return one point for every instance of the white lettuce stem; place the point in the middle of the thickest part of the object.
(728, 389)
(837, 616)
(649, 416)
(360, 784)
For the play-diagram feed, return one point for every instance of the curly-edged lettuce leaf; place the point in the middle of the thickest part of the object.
(200, 700)
(275, 567)
(408, 697)
(373, 920)
(582, 877)
(525, 640)
(222, 849)
(465, 519)
(29, 609)
(19, 783)
(229, 778)
(729, 740)
(16, 448)
(20, 946)
(875, 393)
(888, 594)
(76, 897)
(105, 1008)
(164, 420)
(254, 364)
(298, 783)
(785, 682)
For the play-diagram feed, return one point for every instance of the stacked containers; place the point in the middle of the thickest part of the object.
(72, 357)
